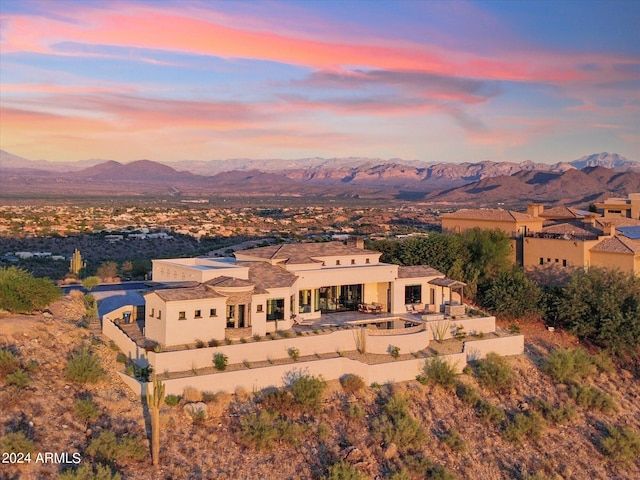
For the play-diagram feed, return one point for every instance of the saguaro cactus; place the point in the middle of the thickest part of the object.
(76, 264)
(154, 401)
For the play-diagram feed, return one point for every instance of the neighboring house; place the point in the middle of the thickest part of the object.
(270, 288)
(621, 207)
(510, 222)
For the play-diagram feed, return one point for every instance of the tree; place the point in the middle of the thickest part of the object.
(20, 292)
(107, 270)
(90, 283)
(512, 294)
(603, 306)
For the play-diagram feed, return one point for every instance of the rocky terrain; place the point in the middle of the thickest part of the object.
(452, 434)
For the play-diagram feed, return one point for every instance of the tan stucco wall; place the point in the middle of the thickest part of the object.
(348, 275)
(478, 349)
(576, 253)
(398, 289)
(470, 326)
(124, 343)
(620, 261)
(511, 228)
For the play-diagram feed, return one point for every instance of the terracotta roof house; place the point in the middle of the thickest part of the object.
(267, 289)
(512, 223)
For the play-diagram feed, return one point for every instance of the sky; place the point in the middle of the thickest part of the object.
(430, 80)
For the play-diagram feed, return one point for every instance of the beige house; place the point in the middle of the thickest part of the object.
(267, 289)
(621, 207)
(510, 222)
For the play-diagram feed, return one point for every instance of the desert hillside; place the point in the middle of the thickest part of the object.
(532, 427)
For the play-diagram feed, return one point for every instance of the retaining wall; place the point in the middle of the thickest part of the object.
(124, 343)
(471, 326)
(478, 349)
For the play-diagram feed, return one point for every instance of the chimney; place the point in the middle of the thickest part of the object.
(357, 242)
(535, 209)
(609, 229)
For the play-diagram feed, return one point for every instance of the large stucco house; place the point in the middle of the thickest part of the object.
(267, 289)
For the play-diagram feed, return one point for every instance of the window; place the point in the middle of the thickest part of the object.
(260, 308)
(182, 315)
(564, 263)
(548, 260)
(541, 261)
(367, 261)
(337, 262)
(213, 312)
(304, 301)
(197, 314)
(556, 260)
(353, 262)
(159, 315)
(292, 304)
(413, 294)
(152, 312)
(275, 309)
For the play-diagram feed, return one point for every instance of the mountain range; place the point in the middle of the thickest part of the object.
(583, 180)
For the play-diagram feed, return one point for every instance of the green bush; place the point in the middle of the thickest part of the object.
(307, 391)
(467, 393)
(220, 361)
(276, 400)
(84, 367)
(558, 415)
(453, 440)
(293, 353)
(18, 379)
(494, 373)
(438, 472)
(200, 343)
(355, 411)
(528, 425)
(9, 363)
(121, 358)
(592, 398)
(438, 372)
(489, 412)
(16, 442)
(394, 352)
(262, 429)
(400, 475)
(213, 343)
(395, 425)
(172, 400)
(621, 444)
(87, 472)
(20, 292)
(565, 365)
(107, 448)
(352, 383)
(86, 409)
(343, 470)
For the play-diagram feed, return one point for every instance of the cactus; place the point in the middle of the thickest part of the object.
(154, 401)
(76, 264)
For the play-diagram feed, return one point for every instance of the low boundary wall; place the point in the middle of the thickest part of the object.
(124, 343)
(471, 326)
(330, 369)
(478, 349)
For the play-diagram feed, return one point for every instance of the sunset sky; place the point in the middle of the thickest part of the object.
(429, 80)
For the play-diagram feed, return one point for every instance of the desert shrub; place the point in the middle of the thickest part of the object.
(198, 417)
(494, 373)
(489, 412)
(352, 383)
(209, 397)
(191, 394)
(220, 361)
(83, 367)
(394, 352)
(107, 448)
(9, 363)
(256, 337)
(343, 470)
(172, 400)
(323, 431)
(564, 365)
(122, 358)
(528, 425)
(396, 425)
(558, 415)
(355, 411)
(213, 343)
(400, 475)
(200, 343)
(467, 393)
(603, 362)
(438, 372)
(285, 333)
(88, 472)
(293, 353)
(276, 400)
(21, 292)
(621, 444)
(438, 472)
(18, 379)
(16, 442)
(86, 409)
(453, 440)
(307, 391)
(259, 430)
(592, 398)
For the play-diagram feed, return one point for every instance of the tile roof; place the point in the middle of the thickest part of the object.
(189, 293)
(418, 271)
(264, 276)
(495, 214)
(618, 244)
(229, 282)
(572, 229)
(297, 253)
(618, 221)
(562, 212)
